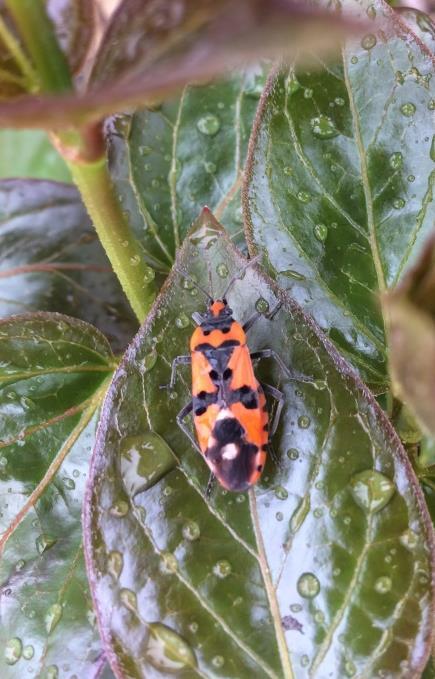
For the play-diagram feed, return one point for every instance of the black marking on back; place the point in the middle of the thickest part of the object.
(246, 396)
(227, 430)
(202, 400)
(234, 473)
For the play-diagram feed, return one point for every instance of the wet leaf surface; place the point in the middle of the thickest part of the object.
(335, 538)
(420, 24)
(170, 161)
(54, 371)
(339, 188)
(44, 595)
(29, 153)
(51, 259)
(151, 50)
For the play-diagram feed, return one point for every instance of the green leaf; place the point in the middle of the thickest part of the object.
(339, 182)
(46, 600)
(323, 570)
(54, 371)
(154, 49)
(29, 153)
(168, 162)
(429, 671)
(51, 259)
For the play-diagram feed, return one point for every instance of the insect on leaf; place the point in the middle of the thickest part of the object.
(274, 582)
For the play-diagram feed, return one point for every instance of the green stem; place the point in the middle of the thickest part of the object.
(20, 58)
(137, 279)
(39, 38)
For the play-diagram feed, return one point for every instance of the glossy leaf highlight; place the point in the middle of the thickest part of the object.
(168, 162)
(339, 182)
(51, 259)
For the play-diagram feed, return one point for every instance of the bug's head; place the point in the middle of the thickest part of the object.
(217, 311)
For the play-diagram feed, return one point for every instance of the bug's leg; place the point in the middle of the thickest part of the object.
(270, 353)
(184, 412)
(280, 399)
(255, 316)
(178, 360)
(210, 486)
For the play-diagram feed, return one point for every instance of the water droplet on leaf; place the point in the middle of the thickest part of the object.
(119, 508)
(209, 124)
(396, 160)
(408, 109)
(349, 668)
(148, 274)
(115, 563)
(292, 454)
(44, 542)
(399, 203)
(149, 361)
(167, 651)
(303, 196)
(182, 321)
(52, 617)
(262, 305)
(218, 661)
(129, 599)
(323, 127)
(144, 461)
(321, 232)
(308, 585)
(191, 531)
(368, 41)
(169, 563)
(13, 650)
(409, 539)
(222, 270)
(222, 568)
(383, 584)
(300, 513)
(371, 490)
(281, 493)
(28, 652)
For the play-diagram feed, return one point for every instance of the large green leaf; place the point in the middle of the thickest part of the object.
(339, 181)
(51, 259)
(46, 606)
(54, 372)
(323, 570)
(29, 153)
(168, 162)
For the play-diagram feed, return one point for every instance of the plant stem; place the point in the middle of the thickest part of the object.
(38, 36)
(31, 79)
(95, 185)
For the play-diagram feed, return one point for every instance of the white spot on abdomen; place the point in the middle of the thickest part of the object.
(230, 451)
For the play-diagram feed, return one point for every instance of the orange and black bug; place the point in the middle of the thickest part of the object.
(228, 403)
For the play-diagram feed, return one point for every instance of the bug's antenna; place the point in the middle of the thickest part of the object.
(240, 273)
(187, 276)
